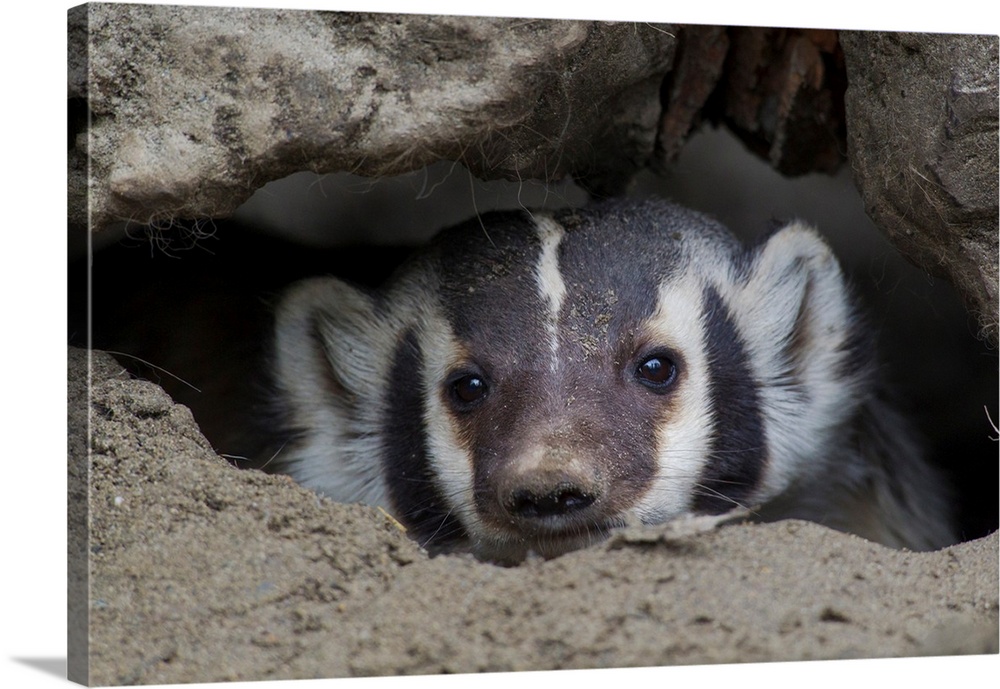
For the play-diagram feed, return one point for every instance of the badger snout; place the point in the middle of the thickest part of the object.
(547, 490)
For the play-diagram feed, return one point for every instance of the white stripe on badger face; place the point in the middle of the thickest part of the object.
(450, 460)
(684, 437)
(551, 287)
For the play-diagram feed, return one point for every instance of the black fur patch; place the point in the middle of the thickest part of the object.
(738, 452)
(488, 287)
(415, 494)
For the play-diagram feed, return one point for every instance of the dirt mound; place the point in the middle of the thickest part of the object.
(201, 572)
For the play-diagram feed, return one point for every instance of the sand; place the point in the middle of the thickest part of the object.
(202, 572)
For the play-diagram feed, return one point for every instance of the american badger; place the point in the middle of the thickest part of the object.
(526, 383)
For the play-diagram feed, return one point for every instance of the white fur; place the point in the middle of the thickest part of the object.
(795, 271)
(326, 461)
(551, 287)
(682, 439)
(449, 458)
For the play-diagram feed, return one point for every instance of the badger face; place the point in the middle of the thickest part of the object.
(528, 384)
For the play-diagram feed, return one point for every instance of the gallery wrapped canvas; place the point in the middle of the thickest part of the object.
(219, 156)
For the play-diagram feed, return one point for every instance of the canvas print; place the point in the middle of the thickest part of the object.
(406, 344)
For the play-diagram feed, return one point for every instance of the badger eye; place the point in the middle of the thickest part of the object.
(656, 372)
(468, 389)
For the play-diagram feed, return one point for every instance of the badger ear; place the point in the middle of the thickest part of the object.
(796, 308)
(328, 343)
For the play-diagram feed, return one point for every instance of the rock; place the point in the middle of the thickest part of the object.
(192, 109)
(921, 130)
(185, 111)
(922, 139)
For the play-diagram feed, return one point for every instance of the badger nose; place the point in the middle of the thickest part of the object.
(539, 502)
(548, 488)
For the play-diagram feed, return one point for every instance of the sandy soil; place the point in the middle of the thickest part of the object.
(201, 572)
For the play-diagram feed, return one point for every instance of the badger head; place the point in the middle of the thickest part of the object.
(529, 383)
